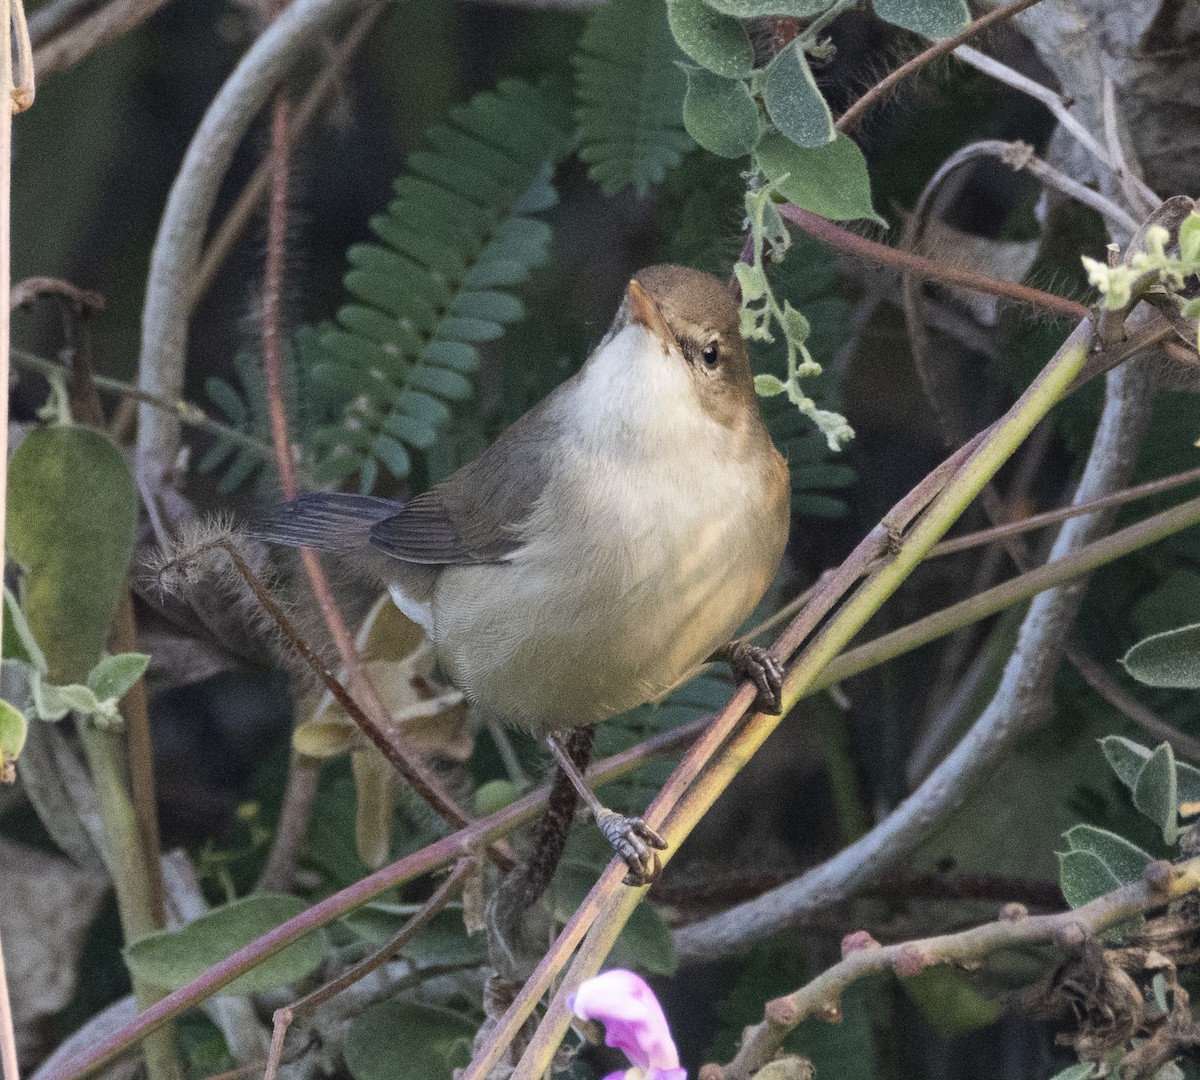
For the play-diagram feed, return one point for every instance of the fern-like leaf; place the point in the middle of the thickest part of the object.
(455, 243)
(630, 94)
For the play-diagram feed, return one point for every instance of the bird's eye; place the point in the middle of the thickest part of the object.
(710, 354)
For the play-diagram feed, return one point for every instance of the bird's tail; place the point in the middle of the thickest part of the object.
(328, 522)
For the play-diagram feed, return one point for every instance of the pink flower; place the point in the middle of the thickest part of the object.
(633, 1022)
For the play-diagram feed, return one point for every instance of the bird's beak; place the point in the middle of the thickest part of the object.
(645, 311)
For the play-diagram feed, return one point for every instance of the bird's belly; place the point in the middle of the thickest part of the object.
(600, 621)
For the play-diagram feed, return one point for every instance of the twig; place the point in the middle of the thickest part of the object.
(1127, 176)
(8, 1038)
(1062, 113)
(187, 413)
(234, 224)
(854, 114)
(1020, 156)
(283, 1018)
(185, 219)
(1068, 930)
(295, 812)
(850, 242)
(67, 48)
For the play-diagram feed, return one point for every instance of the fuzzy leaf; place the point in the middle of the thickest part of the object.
(1125, 757)
(404, 1040)
(1170, 659)
(829, 180)
(1083, 877)
(753, 9)
(115, 676)
(1081, 1071)
(171, 958)
(1156, 793)
(13, 729)
(716, 42)
(793, 101)
(768, 386)
(72, 516)
(720, 114)
(931, 18)
(1126, 861)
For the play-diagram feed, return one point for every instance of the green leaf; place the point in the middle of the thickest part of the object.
(1126, 861)
(952, 1004)
(13, 729)
(768, 386)
(720, 114)
(1189, 237)
(796, 326)
(171, 958)
(402, 1040)
(1170, 659)
(793, 101)
(931, 18)
(19, 643)
(830, 180)
(72, 516)
(630, 96)
(1083, 877)
(1081, 1071)
(1156, 793)
(753, 9)
(752, 281)
(716, 42)
(114, 676)
(1125, 757)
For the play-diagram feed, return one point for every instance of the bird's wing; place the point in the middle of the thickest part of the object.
(474, 515)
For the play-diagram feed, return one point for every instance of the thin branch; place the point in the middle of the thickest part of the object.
(8, 1038)
(1020, 156)
(1162, 883)
(932, 270)
(234, 224)
(1062, 113)
(181, 234)
(187, 413)
(850, 118)
(283, 1018)
(66, 48)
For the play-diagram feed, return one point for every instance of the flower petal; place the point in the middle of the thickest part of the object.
(633, 1021)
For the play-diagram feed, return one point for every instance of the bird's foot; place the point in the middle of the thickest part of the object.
(759, 667)
(636, 843)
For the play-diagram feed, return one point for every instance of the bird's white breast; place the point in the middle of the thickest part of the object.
(648, 548)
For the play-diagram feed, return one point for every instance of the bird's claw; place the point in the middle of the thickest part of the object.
(763, 669)
(636, 843)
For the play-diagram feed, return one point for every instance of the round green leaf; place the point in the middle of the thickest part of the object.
(171, 958)
(932, 18)
(401, 1040)
(716, 42)
(1171, 659)
(1083, 877)
(829, 180)
(72, 516)
(768, 386)
(754, 9)
(720, 114)
(13, 729)
(114, 676)
(1127, 861)
(793, 101)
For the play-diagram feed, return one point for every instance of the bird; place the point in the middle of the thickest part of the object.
(609, 543)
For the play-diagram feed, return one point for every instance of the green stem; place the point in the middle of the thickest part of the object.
(124, 854)
(184, 411)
